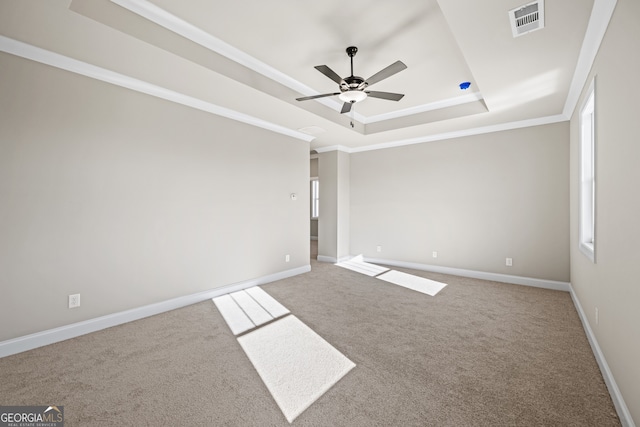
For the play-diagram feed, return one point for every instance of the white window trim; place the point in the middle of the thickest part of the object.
(313, 201)
(587, 184)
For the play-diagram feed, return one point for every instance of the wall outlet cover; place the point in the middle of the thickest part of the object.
(74, 301)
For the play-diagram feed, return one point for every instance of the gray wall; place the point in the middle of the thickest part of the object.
(475, 200)
(612, 284)
(130, 200)
(334, 219)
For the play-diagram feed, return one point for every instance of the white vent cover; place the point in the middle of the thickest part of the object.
(527, 18)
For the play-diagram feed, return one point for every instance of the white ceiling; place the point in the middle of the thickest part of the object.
(255, 57)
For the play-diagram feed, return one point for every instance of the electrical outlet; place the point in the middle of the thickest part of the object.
(287, 258)
(378, 248)
(435, 254)
(509, 262)
(74, 301)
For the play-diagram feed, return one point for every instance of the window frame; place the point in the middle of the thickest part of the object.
(587, 184)
(315, 197)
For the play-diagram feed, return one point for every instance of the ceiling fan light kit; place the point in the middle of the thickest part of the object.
(352, 96)
(352, 88)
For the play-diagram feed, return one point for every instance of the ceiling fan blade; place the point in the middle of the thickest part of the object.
(329, 73)
(385, 95)
(396, 67)
(306, 98)
(346, 107)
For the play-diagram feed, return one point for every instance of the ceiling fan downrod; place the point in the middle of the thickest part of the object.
(351, 51)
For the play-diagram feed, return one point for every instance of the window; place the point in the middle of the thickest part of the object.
(588, 176)
(315, 197)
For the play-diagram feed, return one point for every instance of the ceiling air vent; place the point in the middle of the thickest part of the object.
(527, 18)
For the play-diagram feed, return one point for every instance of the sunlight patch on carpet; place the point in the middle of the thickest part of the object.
(256, 313)
(236, 319)
(246, 309)
(357, 264)
(296, 364)
(409, 281)
(269, 303)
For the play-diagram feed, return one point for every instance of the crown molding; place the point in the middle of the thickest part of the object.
(342, 148)
(57, 60)
(598, 22)
(167, 20)
(174, 24)
(450, 102)
(450, 135)
(466, 132)
(596, 29)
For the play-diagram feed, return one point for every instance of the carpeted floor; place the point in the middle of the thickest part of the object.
(478, 354)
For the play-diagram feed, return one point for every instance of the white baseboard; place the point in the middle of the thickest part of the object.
(614, 391)
(50, 336)
(496, 277)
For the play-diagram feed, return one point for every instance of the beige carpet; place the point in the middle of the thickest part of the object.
(480, 354)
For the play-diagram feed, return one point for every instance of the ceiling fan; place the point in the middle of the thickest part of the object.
(352, 88)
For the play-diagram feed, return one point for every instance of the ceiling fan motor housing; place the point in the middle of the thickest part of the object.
(353, 83)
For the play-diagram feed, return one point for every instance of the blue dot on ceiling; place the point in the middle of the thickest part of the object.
(465, 85)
